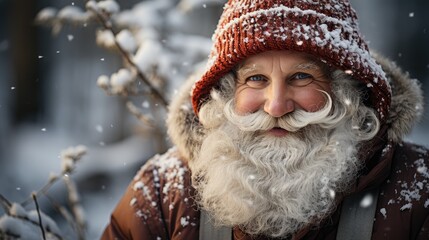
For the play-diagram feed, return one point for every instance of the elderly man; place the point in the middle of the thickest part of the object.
(294, 131)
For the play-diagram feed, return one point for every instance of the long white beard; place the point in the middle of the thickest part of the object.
(274, 185)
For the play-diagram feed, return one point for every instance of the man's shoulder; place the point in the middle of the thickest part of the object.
(163, 192)
(158, 196)
(403, 203)
(163, 173)
(409, 178)
(411, 154)
(166, 164)
(411, 164)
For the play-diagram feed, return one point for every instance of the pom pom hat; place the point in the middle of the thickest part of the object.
(327, 29)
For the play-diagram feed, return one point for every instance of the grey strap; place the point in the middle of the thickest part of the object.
(356, 220)
(357, 216)
(210, 232)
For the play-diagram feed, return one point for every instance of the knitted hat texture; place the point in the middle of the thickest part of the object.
(327, 29)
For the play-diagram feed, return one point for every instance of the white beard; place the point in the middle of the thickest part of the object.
(270, 185)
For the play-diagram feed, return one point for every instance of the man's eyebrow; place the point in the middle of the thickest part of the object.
(242, 70)
(308, 66)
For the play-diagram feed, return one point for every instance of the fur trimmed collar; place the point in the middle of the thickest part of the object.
(187, 133)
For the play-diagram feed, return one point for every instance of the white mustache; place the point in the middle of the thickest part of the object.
(262, 121)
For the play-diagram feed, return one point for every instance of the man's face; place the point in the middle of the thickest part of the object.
(280, 82)
(282, 140)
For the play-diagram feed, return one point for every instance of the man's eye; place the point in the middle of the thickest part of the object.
(302, 76)
(256, 78)
(301, 79)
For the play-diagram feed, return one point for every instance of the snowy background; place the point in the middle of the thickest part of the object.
(49, 98)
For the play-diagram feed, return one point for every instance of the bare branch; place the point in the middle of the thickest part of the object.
(43, 190)
(5, 203)
(40, 216)
(63, 211)
(136, 112)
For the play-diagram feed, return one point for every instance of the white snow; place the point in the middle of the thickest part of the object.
(74, 14)
(70, 156)
(99, 128)
(103, 81)
(184, 221)
(74, 153)
(25, 224)
(170, 168)
(366, 201)
(18, 227)
(138, 186)
(120, 80)
(108, 6)
(383, 212)
(144, 58)
(46, 14)
(406, 206)
(145, 104)
(126, 40)
(105, 38)
(17, 210)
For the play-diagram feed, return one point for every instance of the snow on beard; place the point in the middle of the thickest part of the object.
(276, 186)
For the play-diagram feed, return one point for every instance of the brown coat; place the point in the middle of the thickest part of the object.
(158, 204)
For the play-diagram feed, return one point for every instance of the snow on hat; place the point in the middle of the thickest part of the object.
(327, 29)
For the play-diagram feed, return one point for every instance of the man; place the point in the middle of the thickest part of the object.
(294, 133)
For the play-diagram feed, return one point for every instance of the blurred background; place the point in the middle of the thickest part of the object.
(49, 99)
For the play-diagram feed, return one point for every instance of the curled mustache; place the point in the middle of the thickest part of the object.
(327, 118)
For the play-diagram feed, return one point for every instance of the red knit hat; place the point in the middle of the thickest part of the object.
(327, 29)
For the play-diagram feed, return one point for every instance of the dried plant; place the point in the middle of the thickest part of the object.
(19, 223)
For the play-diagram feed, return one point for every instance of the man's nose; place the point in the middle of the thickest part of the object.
(279, 100)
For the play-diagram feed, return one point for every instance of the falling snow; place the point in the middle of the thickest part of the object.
(99, 128)
(383, 212)
(406, 206)
(184, 221)
(366, 201)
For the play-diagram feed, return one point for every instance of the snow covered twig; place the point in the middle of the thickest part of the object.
(19, 223)
(104, 18)
(34, 221)
(75, 204)
(139, 66)
(69, 157)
